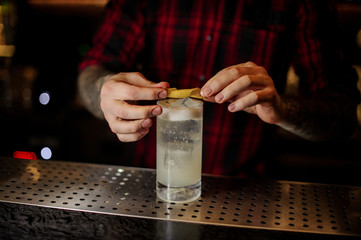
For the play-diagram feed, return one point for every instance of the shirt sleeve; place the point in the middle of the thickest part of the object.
(120, 38)
(319, 60)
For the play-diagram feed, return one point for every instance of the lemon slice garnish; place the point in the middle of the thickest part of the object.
(184, 93)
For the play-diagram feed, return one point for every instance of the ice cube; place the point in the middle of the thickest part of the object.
(175, 158)
(192, 103)
(180, 115)
(181, 109)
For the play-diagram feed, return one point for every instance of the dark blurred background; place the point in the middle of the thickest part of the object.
(41, 44)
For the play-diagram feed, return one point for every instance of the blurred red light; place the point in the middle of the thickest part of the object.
(25, 155)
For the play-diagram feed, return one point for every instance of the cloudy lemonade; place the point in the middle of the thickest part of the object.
(179, 149)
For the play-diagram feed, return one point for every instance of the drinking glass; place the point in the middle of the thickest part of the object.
(179, 149)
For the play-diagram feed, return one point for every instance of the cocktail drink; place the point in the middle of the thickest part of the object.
(179, 149)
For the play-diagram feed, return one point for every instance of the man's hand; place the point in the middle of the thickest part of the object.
(249, 88)
(118, 95)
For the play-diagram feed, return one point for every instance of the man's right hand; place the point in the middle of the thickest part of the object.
(118, 98)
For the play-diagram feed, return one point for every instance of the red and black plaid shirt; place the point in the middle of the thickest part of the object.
(186, 42)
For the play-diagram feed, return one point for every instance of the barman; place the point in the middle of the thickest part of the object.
(238, 53)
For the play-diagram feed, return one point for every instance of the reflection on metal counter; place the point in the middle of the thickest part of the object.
(129, 193)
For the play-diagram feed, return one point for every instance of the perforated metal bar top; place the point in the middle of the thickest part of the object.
(124, 191)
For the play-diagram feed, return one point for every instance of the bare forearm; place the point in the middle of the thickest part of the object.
(319, 119)
(90, 81)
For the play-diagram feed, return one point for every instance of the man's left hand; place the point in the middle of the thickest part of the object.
(249, 88)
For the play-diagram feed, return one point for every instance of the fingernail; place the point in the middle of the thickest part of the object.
(144, 131)
(219, 97)
(231, 107)
(156, 111)
(147, 123)
(163, 94)
(206, 91)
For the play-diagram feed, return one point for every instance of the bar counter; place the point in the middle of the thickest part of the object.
(68, 200)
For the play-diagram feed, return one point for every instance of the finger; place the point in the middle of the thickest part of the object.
(128, 131)
(209, 99)
(125, 91)
(123, 110)
(162, 85)
(132, 137)
(138, 79)
(120, 126)
(243, 102)
(227, 76)
(251, 99)
(249, 64)
(247, 82)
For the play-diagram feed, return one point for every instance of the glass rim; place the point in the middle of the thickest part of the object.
(165, 103)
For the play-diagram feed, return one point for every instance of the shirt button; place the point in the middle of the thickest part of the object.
(202, 77)
(209, 38)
